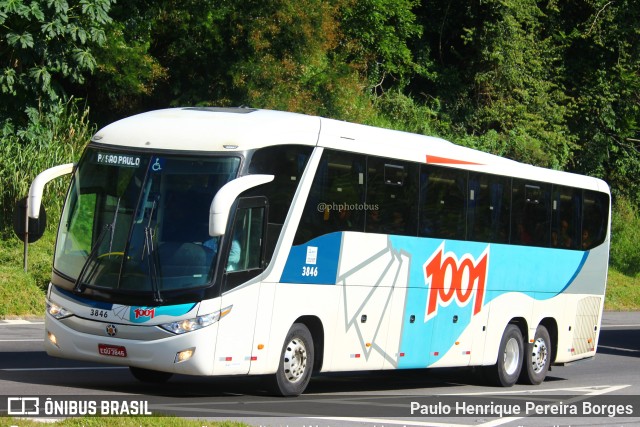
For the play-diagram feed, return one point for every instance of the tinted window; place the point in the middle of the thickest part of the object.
(565, 220)
(488, 208)
(286, 163)
(336, 198)
(531, 218)
(392, 193)
(442, 202)
(595, 219)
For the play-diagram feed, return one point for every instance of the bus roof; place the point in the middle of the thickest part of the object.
(211, 129)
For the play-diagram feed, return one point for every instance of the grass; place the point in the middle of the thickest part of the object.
(22, 293)
(122, 422)
(623, 292)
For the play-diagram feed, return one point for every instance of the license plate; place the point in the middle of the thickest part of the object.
(112, 350)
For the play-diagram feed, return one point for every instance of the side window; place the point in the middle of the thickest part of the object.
(488, 209)
(336, 198)
(530, 222)
(246, 241)
(565, 220)
(595, 219)
(392, 195)
(442, 202)
(286, 163)
(246, 245)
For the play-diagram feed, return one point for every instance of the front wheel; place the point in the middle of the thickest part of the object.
(538, 358)
(296, 362)
(507, 369)
(149, 376)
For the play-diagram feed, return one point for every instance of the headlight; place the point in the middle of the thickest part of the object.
(56, 311)
(196, 323)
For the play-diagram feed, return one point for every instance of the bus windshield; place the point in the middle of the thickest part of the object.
(138, 223)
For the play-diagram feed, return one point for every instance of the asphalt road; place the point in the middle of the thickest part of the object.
(608, 384)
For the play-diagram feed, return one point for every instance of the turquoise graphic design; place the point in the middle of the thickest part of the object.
(508, 269)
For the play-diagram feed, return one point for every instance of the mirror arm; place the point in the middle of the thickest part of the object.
(37, 187)
(221, 204)
(35, 198)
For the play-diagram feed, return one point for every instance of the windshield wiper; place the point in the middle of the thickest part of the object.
(79, 286)
(149, 236)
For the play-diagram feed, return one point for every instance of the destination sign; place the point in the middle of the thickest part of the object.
(126, 160)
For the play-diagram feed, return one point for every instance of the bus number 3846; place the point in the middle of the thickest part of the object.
(309, 271)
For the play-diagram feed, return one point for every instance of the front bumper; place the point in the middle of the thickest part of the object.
(154, 349)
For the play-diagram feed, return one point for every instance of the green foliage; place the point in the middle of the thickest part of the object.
(48, 139)
(625, 235)
(376, 39)
(496, 73)
(623, 292)
(601, 41)
(22, 293)
(288, 45)
(401, 112)
(45, 44)
(555, 84)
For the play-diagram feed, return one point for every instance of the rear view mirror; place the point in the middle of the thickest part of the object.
(37, 226)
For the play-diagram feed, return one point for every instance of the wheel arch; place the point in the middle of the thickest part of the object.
(314, 324)
(522, 324)
(552, 327)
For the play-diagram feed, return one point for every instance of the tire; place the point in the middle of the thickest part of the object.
(149, 376)
(507, 369)
(296, 363)
(537, 358)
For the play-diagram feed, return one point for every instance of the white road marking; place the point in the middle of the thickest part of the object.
(630, 350)
(636, 325)
(19, 322)
(587, 392)
(597, 392)
(385, 421)
(79, 368)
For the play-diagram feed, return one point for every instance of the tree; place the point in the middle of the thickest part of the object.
(44, 46)
(495, 69)
(602, 57)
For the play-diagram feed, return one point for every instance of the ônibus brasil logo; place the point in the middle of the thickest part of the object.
(450, 278)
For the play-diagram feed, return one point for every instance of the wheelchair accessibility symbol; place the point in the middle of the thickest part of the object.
(157, 166)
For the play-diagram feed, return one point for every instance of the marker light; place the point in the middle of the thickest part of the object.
(188, 325)
(184, 355)
(57, 311)
(52, 338)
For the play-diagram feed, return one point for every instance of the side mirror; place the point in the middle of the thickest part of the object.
(37, 226)
(221, 204)
(33, 214)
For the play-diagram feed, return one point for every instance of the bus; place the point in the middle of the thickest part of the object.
(239, 241)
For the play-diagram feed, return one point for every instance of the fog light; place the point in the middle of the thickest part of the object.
(184, 355)
(52, 338)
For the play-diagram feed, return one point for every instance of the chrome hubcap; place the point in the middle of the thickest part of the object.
(295, 360)
(539, 355)
(511, 356)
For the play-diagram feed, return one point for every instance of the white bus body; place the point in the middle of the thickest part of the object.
(208, 241)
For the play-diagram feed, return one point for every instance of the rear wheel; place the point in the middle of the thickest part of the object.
(296, 363)
(150, 376)
(537, 359)
(507, 369)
